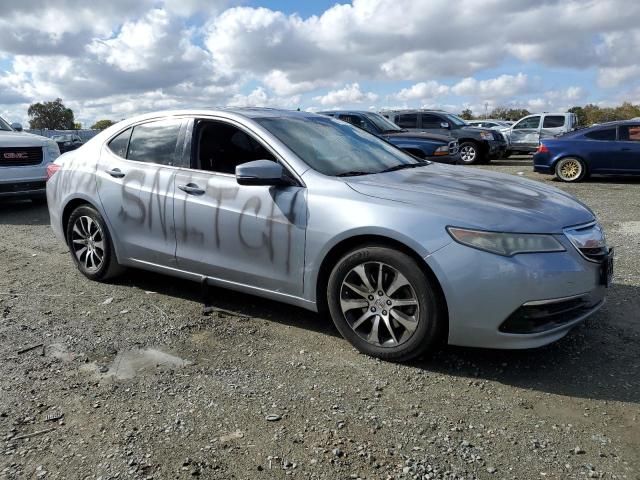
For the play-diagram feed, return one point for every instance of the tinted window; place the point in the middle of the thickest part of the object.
(431, 121)
(630, 133)
(553, 121)
(154, 142)
(356, 120)
(606, 134)
(531, 122)
(408, 120)
(221, 148)
(119, 144)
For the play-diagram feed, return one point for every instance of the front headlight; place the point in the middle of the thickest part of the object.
(506, 244)
(486, 136)
(53, 150)
(443, 150)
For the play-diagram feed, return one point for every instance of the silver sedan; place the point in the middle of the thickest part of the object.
(314, 212)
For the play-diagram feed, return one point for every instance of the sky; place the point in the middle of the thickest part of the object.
(114, 59)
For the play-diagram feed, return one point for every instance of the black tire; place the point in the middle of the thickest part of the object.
(399, 344)
(39, 199)
(565, 168)
(108, 267)
(470, 153)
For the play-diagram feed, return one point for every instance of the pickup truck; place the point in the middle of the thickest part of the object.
(476, 145)
(428, 146)
(23, 162)
(526, 133)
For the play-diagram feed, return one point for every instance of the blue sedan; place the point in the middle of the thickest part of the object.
(608, 149)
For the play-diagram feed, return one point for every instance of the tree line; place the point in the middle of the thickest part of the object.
(587, 115)
(55, 115)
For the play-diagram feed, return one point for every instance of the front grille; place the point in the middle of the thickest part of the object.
(453, 148)
(497, 136)
(21, 187)
(20, 156)
(546, 316)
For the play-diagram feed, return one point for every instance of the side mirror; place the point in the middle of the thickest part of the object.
(444, 125)
(16, 126)
(260, 172)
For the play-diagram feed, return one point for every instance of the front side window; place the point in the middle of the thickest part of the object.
(154, 142)
(604, 134)
(220, 147)
(431, 121)
(630, 133)
(531, 122)
(553, 121)
(335, 148)
(408, 120)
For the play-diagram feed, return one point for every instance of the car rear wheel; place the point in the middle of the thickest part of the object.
(469, 153)
(90, 244)
(570, 169)
(382, 302)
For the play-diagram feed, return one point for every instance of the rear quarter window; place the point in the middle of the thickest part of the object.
(604, 134)
(119, 144)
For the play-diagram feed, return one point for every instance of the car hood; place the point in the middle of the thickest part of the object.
(423, 135)
(472, 198)
(21, 139)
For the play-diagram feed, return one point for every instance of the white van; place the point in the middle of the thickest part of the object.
(526, 133)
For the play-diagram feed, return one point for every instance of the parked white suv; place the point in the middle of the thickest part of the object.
(23, 162)
(526, 133)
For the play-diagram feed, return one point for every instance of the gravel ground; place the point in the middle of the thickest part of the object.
(131, 380)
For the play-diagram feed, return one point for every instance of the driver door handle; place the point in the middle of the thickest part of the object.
(191, 189)
(116, 173)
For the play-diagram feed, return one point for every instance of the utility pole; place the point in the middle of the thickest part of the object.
(486, 110)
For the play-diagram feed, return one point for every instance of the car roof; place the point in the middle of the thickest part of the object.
(247, 112)
(347, 112)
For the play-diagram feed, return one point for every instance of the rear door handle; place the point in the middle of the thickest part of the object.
(116, 173)
(191, 189)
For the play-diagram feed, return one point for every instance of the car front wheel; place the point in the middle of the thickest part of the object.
(384, 304)
(470, 153)
(90, 244)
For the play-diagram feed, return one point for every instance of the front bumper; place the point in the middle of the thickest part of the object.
(484, 291)
(496, 147)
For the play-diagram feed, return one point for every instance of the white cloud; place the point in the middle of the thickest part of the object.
(422, 91)
(499, 87)
(348, 95)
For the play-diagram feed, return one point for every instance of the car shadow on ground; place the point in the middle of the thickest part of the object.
(23, 212)
(597, 360)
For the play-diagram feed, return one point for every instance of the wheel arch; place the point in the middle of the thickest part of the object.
(347, 244)
(570, 155)
(482, 145)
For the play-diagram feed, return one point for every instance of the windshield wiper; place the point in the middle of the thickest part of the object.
(353, 173)
(402, 166)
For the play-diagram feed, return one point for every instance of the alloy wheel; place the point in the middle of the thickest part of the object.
(87, 243)
(379, 304)
(468, 154)
(569, 169)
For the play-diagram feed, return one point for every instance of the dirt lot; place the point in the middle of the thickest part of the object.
(145, 386)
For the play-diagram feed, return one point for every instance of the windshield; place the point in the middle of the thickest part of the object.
(335, 148)
(4, 125)
(61, 138)
(455, 120)
(382, 123)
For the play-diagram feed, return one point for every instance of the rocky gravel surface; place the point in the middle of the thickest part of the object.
(130, 380)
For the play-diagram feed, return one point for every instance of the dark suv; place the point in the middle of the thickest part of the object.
(476, 144)
(429, 146)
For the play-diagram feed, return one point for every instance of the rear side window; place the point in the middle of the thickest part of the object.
(408, 120)
(553, 121)
(154, 142)
(119, 144)
(630, 133)
(604, 134)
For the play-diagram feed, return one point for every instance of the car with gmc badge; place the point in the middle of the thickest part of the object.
(23, 162)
